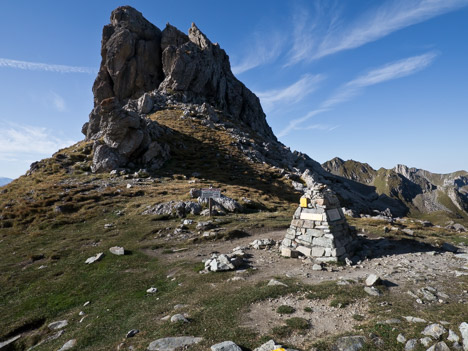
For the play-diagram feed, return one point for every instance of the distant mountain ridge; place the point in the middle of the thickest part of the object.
(422, 191)
(4, 181)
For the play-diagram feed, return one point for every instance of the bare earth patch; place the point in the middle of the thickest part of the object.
(323, 319)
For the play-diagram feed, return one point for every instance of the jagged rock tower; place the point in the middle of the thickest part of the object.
(144, 69)
(319, 228)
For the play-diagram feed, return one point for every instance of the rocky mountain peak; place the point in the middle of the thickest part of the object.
(198, 38)
(142, 65)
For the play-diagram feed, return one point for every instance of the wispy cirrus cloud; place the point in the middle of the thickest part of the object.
(390, 71)
(36, 66)
(293, 93)
(57, 101)
(261, 50)
(24, 141)
(336, 35)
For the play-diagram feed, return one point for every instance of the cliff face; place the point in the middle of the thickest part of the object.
(141, 68)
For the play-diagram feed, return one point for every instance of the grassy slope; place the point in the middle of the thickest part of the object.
(35, 235)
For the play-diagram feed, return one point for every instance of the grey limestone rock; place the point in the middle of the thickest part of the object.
(131, 56)
(440, 346)
(226, 346)
(372, 279)
(68, 345)
(434, 330)
(95, 258)
(179, 318)
(463, 327)
(173, 343)
(58, 324)
(274, 282)
(452, 336)
(174, 209)
(349, 343)
(117, 250)
(370, 290)
(270, 345)
(411, 344)
(401, 338)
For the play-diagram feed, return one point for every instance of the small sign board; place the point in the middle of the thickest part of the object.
(211, 193)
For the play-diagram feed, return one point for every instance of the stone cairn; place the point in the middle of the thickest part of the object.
(319, 229)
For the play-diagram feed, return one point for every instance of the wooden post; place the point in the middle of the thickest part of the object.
(210, 202)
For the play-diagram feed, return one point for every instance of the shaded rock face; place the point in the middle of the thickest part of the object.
(131, 57)
(141, 65)
(200, 71)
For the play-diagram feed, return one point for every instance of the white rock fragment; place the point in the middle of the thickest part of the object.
(440, 346)
(96, 258)
(179, 318)
(274, 282)
(58, 325)
(411, 319)
(411, 344)
(117, 250)
(426, 341)
(226, 346)
(464, 333)
(372, 279)
(434, 330)
(453, 337)
(152, 290)
(401, 338)
(68, 345)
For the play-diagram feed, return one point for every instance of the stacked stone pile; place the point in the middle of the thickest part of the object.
(319, 228)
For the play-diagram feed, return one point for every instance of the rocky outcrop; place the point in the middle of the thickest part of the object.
(197, 70)
(141, 68)
(131, 57)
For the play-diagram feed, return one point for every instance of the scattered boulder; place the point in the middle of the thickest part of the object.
(350, 343)
(401, 338)
(274, 282)
(262, 243)
(317, 267)
(452, 336)
(96, 258)
(426, 341)
(152, 290)
(372, 291)
(411, 319)
(174, 209)
(372, 279)
(174, 343)
(224, 262)
(411, 344)
(270, 345)
(117, 250)
(440, 346)
(179, 318)
(58, 325)
(464, 333)
(68, 345)
(434, 330)
(226, 346)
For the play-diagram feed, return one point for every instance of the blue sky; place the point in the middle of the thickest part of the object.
(382, 82)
